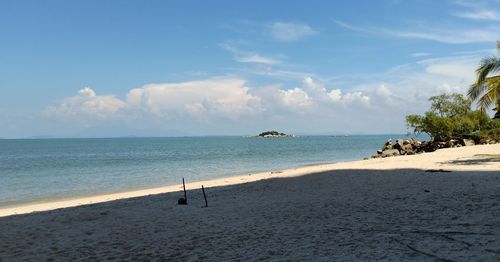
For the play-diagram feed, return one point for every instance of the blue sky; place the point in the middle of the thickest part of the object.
(119, 68)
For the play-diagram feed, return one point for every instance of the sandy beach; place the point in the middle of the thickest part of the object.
(435, 206)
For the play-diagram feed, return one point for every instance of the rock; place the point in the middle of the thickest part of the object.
(454, 142)
(390, 152)
(399, 144)
(415, 142)
(404, 148)
(428, 147)
(468, 142)
(387, 145)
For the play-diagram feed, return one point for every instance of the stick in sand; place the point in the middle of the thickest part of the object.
(183, 201)
(204, 195)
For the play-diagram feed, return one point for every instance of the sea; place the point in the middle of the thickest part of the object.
(43, 170)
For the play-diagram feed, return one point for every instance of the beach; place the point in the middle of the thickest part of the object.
(434, 206)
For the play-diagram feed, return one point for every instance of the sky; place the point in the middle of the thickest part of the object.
(182, 68)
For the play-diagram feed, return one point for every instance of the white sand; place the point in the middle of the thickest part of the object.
(363, 210)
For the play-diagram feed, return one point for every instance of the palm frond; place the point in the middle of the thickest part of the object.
(488, 65)
(476, 91)
(485, 101)
(493, 81)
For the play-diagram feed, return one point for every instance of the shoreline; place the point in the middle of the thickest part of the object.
(425, 161)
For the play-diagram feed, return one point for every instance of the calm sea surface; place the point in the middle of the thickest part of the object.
(35, 170)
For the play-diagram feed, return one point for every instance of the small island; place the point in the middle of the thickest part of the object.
(273, 134)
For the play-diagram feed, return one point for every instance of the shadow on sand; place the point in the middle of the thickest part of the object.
(480, 159)
(401, 214)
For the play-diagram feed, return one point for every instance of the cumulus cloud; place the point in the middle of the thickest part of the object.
(226, 103)
(221, 97)
(204, 100)
(295, 98)
(335, 96)
(290, 31)
(86, 105)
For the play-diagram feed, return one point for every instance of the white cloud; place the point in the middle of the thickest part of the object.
(295, 98)
(227, 103)
(383, 91)
(455, 67)
(481, 11)
(290, 31)
(256, 58)
(265, 70)
(356, 97)
(420, 54)
(320, 93)
(491, 15)
(86, 105)
(218, 97)
(435, 33)
(248, 56)
(406, 89)
(209, 100)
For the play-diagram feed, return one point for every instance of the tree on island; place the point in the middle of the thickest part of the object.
(486, 89)
(271, 133)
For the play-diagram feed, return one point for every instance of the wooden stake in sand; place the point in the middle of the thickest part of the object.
(204, 195)
(183, 201)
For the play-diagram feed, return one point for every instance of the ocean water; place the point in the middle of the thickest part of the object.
(37, 170)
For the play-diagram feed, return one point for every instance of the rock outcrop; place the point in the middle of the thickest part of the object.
(412, 146)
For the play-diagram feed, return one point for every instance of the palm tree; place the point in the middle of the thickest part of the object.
(486, 89)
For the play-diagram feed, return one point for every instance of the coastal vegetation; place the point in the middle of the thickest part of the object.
(450, 122)
(273, 134)
(451, 117)
(486, 89)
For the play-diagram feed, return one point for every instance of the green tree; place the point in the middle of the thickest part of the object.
(450, 116)
(486, 89)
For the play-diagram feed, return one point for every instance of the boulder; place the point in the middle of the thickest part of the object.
(468, 142)
(407, 150)
(398, 145)
(387, 145)
(390, 152)
(428, 146)
(404, 147)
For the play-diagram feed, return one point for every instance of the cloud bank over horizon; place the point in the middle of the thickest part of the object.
(228, 102)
